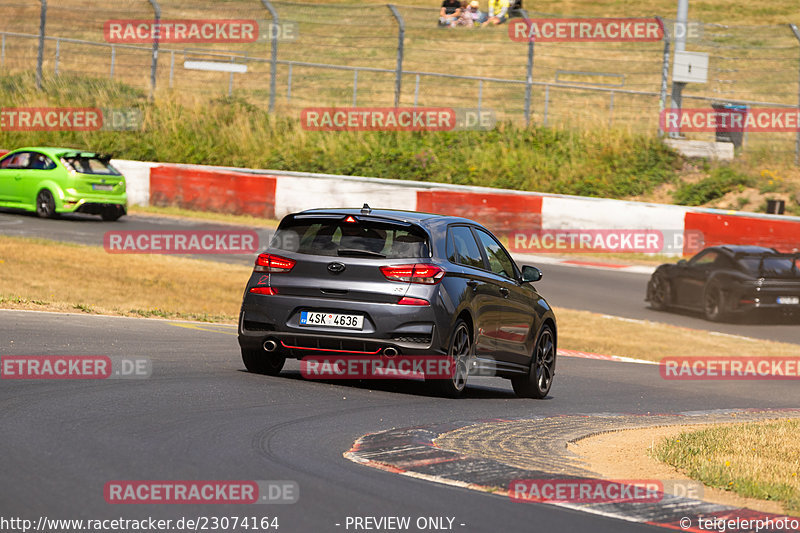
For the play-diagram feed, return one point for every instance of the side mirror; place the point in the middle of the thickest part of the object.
(682, 263)
(530, 274)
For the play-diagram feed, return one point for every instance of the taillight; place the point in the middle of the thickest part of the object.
(267, 291)
(273, 263)
(407, 300)
(417, 273)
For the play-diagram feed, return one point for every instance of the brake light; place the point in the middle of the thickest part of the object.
(267, 291)
(273, 263)
(417, 273)
(407, 300)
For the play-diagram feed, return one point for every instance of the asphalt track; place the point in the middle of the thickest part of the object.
(602, 291)
(200, 416)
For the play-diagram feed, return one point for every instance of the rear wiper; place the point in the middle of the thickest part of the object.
(355, 251)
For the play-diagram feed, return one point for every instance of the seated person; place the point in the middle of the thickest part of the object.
(498, 12)
(470, 14)
(450, 12)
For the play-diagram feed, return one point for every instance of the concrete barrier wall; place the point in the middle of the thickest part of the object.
(504, 212)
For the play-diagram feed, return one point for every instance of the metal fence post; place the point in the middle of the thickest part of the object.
(113, 59)
(273, 68)
(797, 135)
(58, 56)
(662, 102)
(154, 62)
(401, 32)
(528, 76)
(40, 56)
(355, 86)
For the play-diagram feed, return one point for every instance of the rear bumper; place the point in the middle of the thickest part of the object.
(748, 300)
(410, 330)
(92, 203)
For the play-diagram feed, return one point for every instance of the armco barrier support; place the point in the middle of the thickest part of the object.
(770, 231)
(212, 190)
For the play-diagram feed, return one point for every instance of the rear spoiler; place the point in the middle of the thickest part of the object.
(105, 158)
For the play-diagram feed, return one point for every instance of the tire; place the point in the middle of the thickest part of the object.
(261, 362)
(658, 292)
(542, 370)
(460, 353)
(45, 204)
(110, 215)
(714, 304)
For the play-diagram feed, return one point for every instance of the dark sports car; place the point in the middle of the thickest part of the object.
(397, 283)
(725, 281)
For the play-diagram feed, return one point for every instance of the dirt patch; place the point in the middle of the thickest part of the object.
(624, 455)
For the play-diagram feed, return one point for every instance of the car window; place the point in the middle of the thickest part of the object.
(336, 237)
(89, 165)
(499, 261)
(704, 259)
(39, 161)
(462, 248)
(18, 160)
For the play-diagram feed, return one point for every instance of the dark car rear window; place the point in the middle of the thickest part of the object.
(363, 238)
(779, 266)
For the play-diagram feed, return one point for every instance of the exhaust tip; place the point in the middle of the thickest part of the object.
(270, 345)
(389, 352)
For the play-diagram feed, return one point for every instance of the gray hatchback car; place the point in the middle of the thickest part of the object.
(385, 283)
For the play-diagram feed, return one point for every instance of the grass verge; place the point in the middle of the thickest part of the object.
(89, 280)
(756, 459)
(178, 212)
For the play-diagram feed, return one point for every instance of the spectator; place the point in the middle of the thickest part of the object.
(498, 12)
(472, 15)
(450, 12)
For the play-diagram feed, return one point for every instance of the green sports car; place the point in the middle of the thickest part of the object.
(61, 180)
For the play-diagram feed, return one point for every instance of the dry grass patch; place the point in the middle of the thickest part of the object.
(755, 459)
(40, 274)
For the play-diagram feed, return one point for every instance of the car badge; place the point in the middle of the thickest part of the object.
(336, 267)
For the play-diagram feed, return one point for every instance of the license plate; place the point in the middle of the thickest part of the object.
(331, 320)
(789, 300)
(102, 187)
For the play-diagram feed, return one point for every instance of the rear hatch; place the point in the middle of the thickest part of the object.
(93, 173)
(778, 276)
(348, 257)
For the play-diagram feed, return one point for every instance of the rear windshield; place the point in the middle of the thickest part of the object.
(780, 266)
(89, 165)
(357, 239)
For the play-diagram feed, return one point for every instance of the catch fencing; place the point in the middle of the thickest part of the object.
(395, 55)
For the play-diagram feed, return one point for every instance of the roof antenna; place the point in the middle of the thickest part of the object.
(366, 209)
